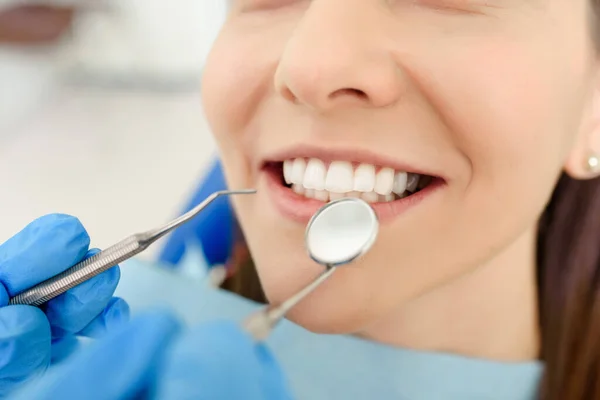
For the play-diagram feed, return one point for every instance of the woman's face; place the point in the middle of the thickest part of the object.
(483, 101)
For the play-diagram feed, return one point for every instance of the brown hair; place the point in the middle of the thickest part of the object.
(569, 291)
(568, 259)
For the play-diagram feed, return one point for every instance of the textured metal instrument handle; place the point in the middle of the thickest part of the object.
(80, 272)
(110, 257)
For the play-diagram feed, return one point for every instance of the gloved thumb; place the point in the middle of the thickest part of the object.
(24, 346)
(218, 361)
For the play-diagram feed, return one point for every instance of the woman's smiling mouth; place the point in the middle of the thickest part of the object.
(300, 185)
(323, 181)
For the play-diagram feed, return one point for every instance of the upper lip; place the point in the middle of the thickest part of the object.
(347, 154)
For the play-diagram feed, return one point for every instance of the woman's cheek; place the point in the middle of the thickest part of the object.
(219, 98)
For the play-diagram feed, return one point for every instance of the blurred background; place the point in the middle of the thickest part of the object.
(100, 115)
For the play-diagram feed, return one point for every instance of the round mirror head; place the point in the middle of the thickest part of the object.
(341, 231)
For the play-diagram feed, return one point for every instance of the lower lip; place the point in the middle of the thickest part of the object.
(301, 209)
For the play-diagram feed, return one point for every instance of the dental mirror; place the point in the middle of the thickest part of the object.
(341, 231)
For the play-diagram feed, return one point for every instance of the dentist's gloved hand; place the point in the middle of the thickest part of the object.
(32, 338)
(151, 358)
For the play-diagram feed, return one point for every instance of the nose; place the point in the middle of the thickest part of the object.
(339, 56)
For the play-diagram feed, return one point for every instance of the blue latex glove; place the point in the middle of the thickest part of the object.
(32, 338)
(148, 359)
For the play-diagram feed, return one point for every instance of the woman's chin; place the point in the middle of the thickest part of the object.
(343, 304)
(325, 313)
(327, 321)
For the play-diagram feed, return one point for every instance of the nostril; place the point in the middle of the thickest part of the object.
(288, 94)
(356, 93)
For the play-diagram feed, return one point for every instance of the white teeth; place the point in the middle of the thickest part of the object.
(370, 197)
(400, 180)
(314, 176)
(340, 177)
(298, 169)
(387, 197)
(315, 179)
(336, 196)
(322, 195)
(288, 166)
(364, 178)
(412, 182)
(384, 181)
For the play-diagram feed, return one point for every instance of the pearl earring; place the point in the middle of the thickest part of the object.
(593, 162)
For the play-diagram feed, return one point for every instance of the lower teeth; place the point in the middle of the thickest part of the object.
(323, 195)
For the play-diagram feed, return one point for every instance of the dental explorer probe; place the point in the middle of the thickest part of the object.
(110, 257)
(339, 233)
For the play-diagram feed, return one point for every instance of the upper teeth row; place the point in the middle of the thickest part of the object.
(342, 177)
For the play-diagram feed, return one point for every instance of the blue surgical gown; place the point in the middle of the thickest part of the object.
(325, 367)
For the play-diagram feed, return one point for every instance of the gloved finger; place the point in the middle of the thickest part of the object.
(24, 345)
(114, 315)
(121, 366)
(4, 296)
(219, 361)
(63, 347)
(75, 309)
(46, 247)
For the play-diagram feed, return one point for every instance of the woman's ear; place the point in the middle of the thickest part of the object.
(584, 160)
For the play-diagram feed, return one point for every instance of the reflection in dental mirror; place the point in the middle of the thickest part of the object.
(341, 231)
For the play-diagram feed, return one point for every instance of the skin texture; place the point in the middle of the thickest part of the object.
(497, 97)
